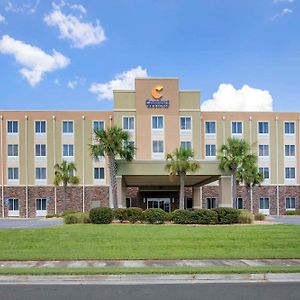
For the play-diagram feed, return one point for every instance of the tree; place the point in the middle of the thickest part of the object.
(179, 163)
(113, 142)
(64, 174)
(234, 157)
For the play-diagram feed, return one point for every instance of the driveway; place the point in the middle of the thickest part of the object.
(284, 219)
(29, 223)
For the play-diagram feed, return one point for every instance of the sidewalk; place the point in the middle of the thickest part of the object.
(149, 263)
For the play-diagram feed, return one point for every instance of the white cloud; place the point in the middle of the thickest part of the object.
(121, 81)
(285, 11)
(2, 19)
(63, 3)
(34, 61)
(227, 98)
(25, 8)
(72, 84)
(278, 1)
(70, 27)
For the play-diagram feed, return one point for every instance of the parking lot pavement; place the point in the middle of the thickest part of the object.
(30, 223)
(284, 219)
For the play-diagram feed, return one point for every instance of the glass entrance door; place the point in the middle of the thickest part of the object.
(162, 203)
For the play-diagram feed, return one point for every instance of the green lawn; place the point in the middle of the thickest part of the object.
(150, 242)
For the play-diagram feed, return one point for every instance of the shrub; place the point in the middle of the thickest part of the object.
(70, 219)
(227, 215)
(293, 212)
(259, 217)
(154, 216)
(120, 214)
(168, 217)
(181, 216)
(101, 215)
(245, 217)
(48, 216)
(69, 212)
(206, 216)
(135, 214)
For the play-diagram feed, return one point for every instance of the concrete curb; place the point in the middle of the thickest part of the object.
(148, 279)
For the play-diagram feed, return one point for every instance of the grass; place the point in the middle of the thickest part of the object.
(149, 270)
(89, 241)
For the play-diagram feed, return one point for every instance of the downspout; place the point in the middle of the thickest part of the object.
(54, 161)
(83, 166)
(250, 138)
(26, 163)
(2, 167)
(111, 204)
(277, 171)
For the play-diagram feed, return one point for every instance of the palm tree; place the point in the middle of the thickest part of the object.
(179, 163)
(113, 142)
(234, 156)
(64, 173)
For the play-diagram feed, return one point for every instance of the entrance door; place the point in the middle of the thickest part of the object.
(13, 207)
(163, 203)
(264, 205)
(41, 207)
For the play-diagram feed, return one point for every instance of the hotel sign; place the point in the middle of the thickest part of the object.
(158, 102)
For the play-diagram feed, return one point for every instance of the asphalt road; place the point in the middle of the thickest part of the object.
(29, 223)
(285, 219)
(211, 291)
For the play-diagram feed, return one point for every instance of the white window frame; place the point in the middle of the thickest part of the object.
(289, 156)
(290, 179)
(40, 133)
(62, 127)
(211, 156)
(128, 130)
(289, 134)
(12, 157)
(186, 142)
(266, 180)
(185, 131)
(237, 134)
(13, 180)
(265, 211)
(158, 155)
(210, 134)
(206, 200)
(93, 123)
(41, 212)
(40, 156)
(158, 130)
(68, 157)
(264, 156)
(40, 179)
(285, 202)
(13, 133)
(99, 180)
(263, 134)
(13, 212)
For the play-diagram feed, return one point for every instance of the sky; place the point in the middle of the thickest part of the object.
(242, 55)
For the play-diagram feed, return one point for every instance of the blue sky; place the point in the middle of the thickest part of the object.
(205, 43)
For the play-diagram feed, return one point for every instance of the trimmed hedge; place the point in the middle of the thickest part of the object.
(293, 212)
(154, 216)
(48, 216)
(206, 216)
(227, 215)
(120, 214)
(245, 217)
(181, 216)
(101, 215)
(76, 218)
(69, 212)
(135, 214)
(259, 217)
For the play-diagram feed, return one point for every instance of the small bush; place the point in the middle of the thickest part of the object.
(101, 215)
(227, 215)
(69, 212)
(259, 217)
(206, 216)
(135, 214)
(120, 214)
(154, 216)
(293, 212)
(245, 217)
(70, 219)
(181, 216)
(48, 216)
(168, 217)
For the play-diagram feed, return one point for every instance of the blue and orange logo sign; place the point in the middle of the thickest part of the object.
(155, 92)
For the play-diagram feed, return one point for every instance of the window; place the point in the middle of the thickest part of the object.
(265, 172)
(128, 202)
(186, 145)
(263, 127)
(13, 204)
(290, 173)
(210, 150)
(289, 127)
(263, 150)
(12, 126)
(68, 150)
(237, 127)
(211, 202)
(185, 123)
(98, 173)
(40, 173)
(158, 146)
(210, 127)
(128, 123)
(264, 203)
(13, 173)
(189, 203)
(157, 122)
(98, 125)
(13, 150)
(67, 126)
(239, 203)
(289, 150)
(290, 203)
(41, 204)
(40, 126)
(40, 150)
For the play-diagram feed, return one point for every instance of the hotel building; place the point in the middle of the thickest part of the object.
(159, 118)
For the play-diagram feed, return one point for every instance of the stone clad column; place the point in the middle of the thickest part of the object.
(225, 185)
(197, 195)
